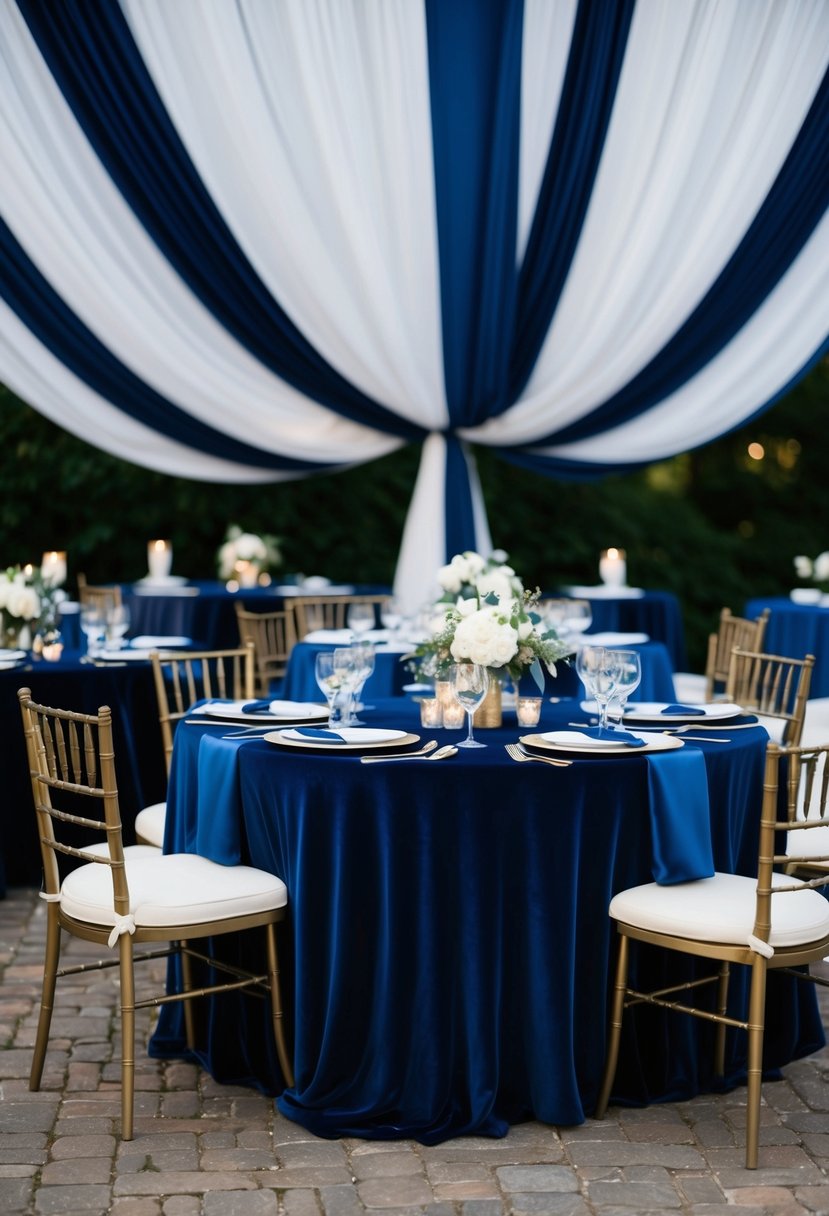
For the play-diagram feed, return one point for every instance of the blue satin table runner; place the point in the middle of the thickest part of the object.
(448, 952)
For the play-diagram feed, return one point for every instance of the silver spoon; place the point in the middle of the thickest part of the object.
(441, 754)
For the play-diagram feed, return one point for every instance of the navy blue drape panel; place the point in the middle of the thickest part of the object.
(92, 55)
(460, 519)
(793, 207)
(475, 92)
(597, 52)
(43, 311)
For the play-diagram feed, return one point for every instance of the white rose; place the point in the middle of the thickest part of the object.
(5, 587)
(227, 559)
(450, 579)
(474, 564)
(525, 628)
(466, 607)
(483, 638)
(803, 566)
(250, 547)
(501, 582)
(820, 569)
(23, 602)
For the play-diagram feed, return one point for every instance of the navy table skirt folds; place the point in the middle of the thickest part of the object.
(448, 949)
(796, 630)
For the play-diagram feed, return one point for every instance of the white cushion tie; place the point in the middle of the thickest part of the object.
(123, 924)
(50, 899)
(760, 947)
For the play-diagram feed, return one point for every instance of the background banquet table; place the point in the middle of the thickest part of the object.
(796, 630)
(448, 947)
(75, 684)
(391, 673)
(656, 613)
(205, 610)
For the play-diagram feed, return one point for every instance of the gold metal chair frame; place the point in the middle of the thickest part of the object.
(184, 677)
(733, 631)
(327, 611)
(788, 960)
(71, 754)
(773, 686)
(103, 596)
(272, 635)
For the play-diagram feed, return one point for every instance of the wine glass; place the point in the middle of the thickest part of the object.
(93, 624)
(331, 685)
(628, 679)
(577, 617)
(117, 624)
(598, 670)
(360, 617)
(363, 658)
(391, 614)
(469, 683)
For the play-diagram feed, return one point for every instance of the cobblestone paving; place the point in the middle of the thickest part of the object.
(203, 1149)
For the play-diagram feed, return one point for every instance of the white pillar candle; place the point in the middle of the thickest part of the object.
(613, 567)
(159, 558)
(53, 568)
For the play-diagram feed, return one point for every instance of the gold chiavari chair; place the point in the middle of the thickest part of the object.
(124, 897)
(328, 611)
(774, 687)
(272, 636)
(771, 922)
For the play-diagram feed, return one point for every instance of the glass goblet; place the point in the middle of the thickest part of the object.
(93, 624)
(598, 671)
(117, 624)
(469, 684)
(330, 685)
(577, 618)
(628, 679)
(360, 617)
(363, 658)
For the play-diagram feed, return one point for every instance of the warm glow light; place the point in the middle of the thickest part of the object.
(756, 451)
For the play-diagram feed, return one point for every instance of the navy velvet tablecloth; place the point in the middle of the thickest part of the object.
(391, 674)
(796, 630)
(72, 684)
(448, 949)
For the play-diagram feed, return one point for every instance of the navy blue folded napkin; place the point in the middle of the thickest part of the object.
(256, 707)
(609, 735)
(687, 711)
(317, 732)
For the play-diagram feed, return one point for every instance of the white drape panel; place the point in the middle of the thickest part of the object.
(76, 227)
(313, 134)
(710, 100)
(309, 122)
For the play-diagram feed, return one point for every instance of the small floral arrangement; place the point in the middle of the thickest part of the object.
(28, 603)
(261, 553)
(816, 571)
(496, 625)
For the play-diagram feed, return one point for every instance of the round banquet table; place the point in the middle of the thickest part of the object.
(391, 673)
(74, 683)
(796, 630)
(447, 954)
(656, 613)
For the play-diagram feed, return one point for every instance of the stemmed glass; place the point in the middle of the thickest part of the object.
(332, 687)
(578, 616)
(363, 659)
(360, 617)
(391, 614)
(628, 679)
(469, 684)
(598, 671)
(117, 624)
(93, 624)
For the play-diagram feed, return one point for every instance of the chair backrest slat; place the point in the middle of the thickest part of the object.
(774, 686)
(312, 612)
(272, 635)
(742, 632)
(185, 677)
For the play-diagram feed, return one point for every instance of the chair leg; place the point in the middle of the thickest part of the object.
(47, 996)
(615, 1030)
(187, 985)
(276, 1006)
(722, 1004)
(127, 976)
(756, 1018)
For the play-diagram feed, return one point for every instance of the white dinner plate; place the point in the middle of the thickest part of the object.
(128, 654)
(651, 711)
(166, 580)
(356, 738)
(430, 688)
(280, 711)
(575, 741)
(149, 641)
(12, 656)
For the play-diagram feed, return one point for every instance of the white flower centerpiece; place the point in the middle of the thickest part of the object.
(28, 606)
(815, 571)
(486, 616)
(246, 557)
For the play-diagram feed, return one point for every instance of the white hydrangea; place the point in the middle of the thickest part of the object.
(22, 601)
(820, 568)
(484, 637)
(500, 580)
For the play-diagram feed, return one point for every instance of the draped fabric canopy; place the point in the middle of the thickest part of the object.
(247, 240)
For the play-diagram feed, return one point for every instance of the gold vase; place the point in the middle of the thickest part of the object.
(489, 712)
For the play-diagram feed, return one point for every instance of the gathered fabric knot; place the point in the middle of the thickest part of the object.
(123, 924)
(760, 947)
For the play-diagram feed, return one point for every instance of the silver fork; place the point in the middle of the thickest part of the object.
(514, 751)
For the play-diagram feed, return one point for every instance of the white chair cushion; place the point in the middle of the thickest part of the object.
(131, 851)
(814, 843)
(149, 824)
(721, 909)
(178, 889)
